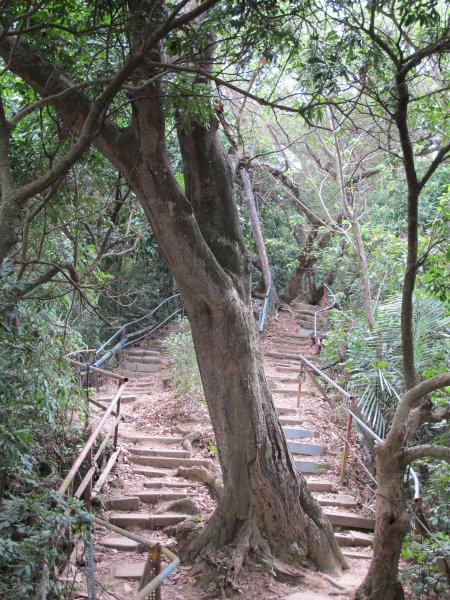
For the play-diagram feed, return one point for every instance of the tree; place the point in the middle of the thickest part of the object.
(394, 56)
(265, 506)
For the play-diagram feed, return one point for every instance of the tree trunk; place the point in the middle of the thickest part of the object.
(256, 228)
(392, 524)
(302, 283)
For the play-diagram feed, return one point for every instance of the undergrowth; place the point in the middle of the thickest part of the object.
(40, 434)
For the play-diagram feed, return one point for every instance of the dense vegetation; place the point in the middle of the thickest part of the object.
(333, 120)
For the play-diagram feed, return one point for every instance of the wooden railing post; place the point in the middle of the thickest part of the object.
(347, 440)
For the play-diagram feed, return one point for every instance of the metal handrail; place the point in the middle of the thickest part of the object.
(361, 423)
(130, 338)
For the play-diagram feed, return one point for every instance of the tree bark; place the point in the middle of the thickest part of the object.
(392, 524)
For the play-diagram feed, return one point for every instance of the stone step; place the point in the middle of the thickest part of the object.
(168, 463)
(292, 392)
(279, 379)
(357, 555)
(308, 449)
(132, 376)
(167, 483)
(339, 500)
(142, 352)
(155, 497)
(130, 571)
(309, 466)
(353, 538)
(120, 543)
(145, 520)
(284, 356)
(291, 432)
(342, 519)
(289, 337)
(144, 360)
(320, 485)
(290, 421)
(306, 332)
(285, 410)
(138, 438)
(286, 368)
(153, 473)
(120, 503)
(166, 453)
(137, 367)
(124, 399)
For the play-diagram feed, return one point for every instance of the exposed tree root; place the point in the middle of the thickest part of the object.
(194, 436)
(182, 505)
(202, 475)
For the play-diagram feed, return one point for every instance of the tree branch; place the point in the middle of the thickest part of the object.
(412, 400)
(440, 452)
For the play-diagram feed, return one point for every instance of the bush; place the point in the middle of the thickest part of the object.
(40, 434)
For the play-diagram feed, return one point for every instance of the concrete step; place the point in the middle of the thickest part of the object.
(281, 379)
(353, 538)
(144, 360)
(168, 463)
(286, 368)
(153, 473)
(155, 497)
(339, 500)
(120, 543)
(138, 438)
(290, 337)
(306, 332)
(125, 399)
(307, 449)
(320, 485)
(120, 503)
(137, 367)
(166, 453)
(284, 356)
(132, 376)
(130, 571)
(285, 410)
(145, 520)
(291, 391)
(341, 519)
(142, 352)
(169, 484)
(290, 421)
(309, 466)
(291, 432)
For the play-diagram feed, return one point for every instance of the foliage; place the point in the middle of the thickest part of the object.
(39, 434)
(378, 384)
(33, 540)
(185, 375)
(425, 573)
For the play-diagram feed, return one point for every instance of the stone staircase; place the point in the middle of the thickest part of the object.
(154, 497)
